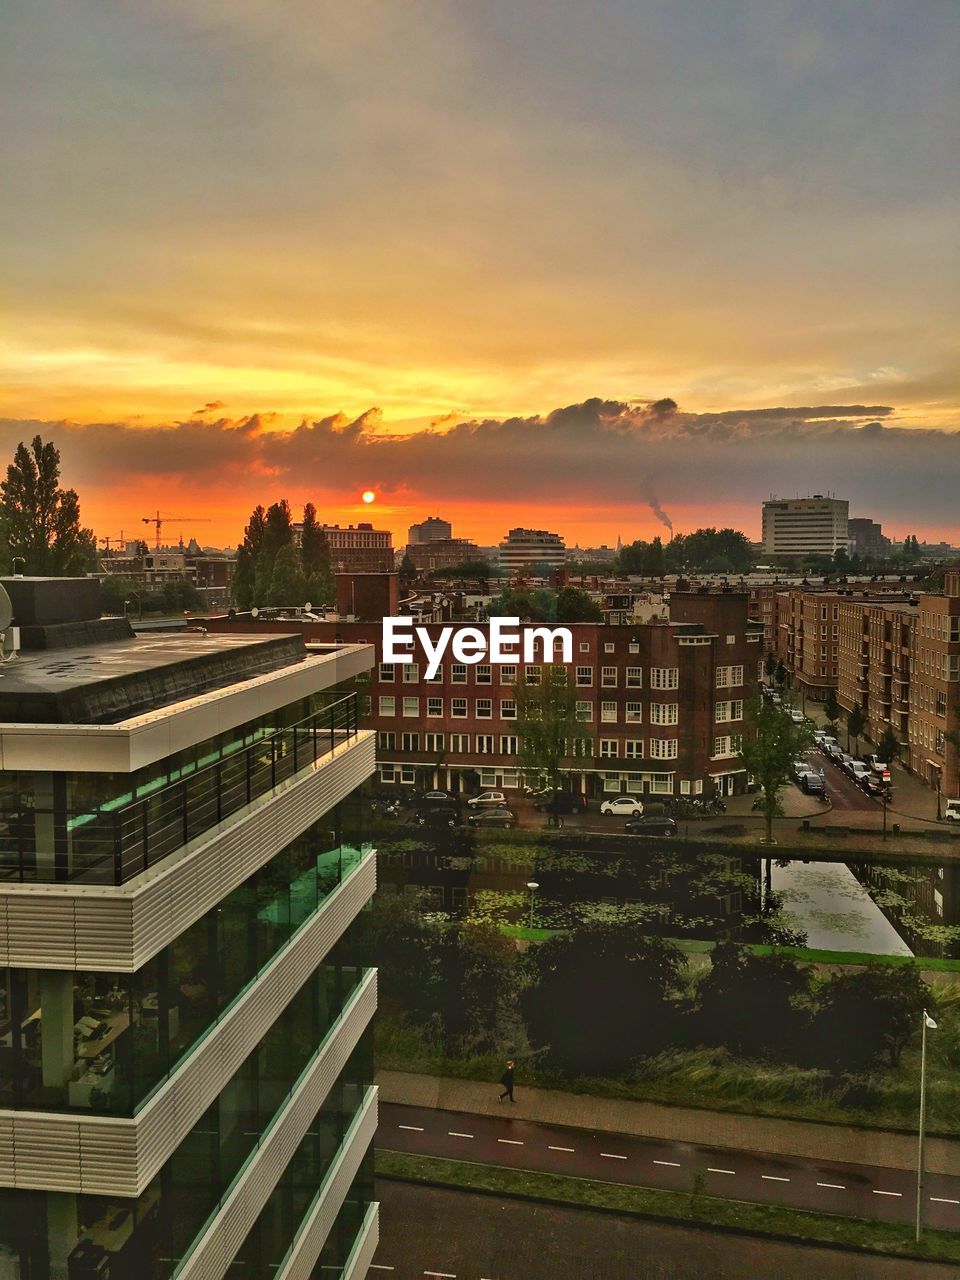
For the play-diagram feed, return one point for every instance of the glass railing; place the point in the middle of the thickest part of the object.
(111, 845)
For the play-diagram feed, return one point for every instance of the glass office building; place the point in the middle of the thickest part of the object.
(185, 1057)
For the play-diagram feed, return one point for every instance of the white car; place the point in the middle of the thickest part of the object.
(488, 800)
(623, 805)
(797, 717)
(952, 811)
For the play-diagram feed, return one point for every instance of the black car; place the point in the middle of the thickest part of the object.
(561, 802)
(813, 785)
(503, 818)
(437, 816)
(872, 785)
(651, 824)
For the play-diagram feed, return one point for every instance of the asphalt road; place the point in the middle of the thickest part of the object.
(430, 1232)
(853, 1190)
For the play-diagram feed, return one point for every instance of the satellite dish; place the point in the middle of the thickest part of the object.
(308, 606)
(254, 612)
(6, 610)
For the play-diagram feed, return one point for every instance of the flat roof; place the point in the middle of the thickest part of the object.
(108, 682)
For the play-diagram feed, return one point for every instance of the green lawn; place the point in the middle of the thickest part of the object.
(686, 1206)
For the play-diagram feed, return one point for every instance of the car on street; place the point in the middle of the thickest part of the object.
(834, 751)
(652, 824)
(879, 769)
(488, 800)
(620, 806)
(952, 812)
(872, 785)
(797, 716)
(858, 770)
(800, 767)
(437, 817)
(561, 802)
(813, 785)
(504, 818)
(436, 800)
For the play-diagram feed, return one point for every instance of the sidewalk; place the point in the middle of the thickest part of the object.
(805, 1139)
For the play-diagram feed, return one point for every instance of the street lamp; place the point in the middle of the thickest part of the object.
(928, 1025)
(533, 887)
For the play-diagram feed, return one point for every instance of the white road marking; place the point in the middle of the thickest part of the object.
(444, 1275)
(570, 1149)
(832, 1186)
(772, 1177)
(414, 1128)
(452, 1133)
(511, 1142)
(898, 1194)
(672, 1164)
(379, 1266)
(608, 1155)
(943, 1200)
(731, 1171)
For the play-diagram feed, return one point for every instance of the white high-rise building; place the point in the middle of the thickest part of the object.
(816, 526)
(522, 550)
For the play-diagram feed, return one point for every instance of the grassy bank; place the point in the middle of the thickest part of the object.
(713, 1079)
(688, 1207)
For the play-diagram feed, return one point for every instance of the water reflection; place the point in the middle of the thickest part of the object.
(825, 901)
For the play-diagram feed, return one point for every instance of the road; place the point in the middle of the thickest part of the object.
(853, 1190)
(430, 1232)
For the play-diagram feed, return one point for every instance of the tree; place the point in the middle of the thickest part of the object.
(248, 553)
(277, 530)
(770, 665)
(856, 723)
(768, 749)
(832, 710)
(780, 674)
(547, 726)
(601, 996)
(408, 570)
(39, 520)
(478, 988)
(865, 1015)
(539, 605)
(755, 1005)
(841, 560)
(466, 569)
(630, 559)
(654, 563)
(888, 748)
(288, 586)
(574, 605)
(314, 552)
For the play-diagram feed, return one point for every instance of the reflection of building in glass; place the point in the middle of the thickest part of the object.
(185, 1059)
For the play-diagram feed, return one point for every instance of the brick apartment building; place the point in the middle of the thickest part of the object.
(355, 548)
(663, 703)
(935, 687)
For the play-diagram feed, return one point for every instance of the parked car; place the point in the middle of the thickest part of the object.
(800, 767)
(813, 785)
(488, 800)
(826, 743)
(819, 735)
(504, 818)
(837, 753)
(437, 816)
(621, 806)
(797, 716)
(952, 811)
(436, 800)
(880, 770)
(651, 824)
(871, 784)
(858, 770)
(561, 802)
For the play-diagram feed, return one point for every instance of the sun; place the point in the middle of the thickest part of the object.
(368, 496)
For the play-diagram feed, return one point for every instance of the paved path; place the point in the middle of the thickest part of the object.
(853, 1190)
(726, 1129)
(426, 1232)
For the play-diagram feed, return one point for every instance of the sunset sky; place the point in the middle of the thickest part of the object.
(456, 252)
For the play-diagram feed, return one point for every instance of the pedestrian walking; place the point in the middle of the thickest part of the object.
(507, 1081)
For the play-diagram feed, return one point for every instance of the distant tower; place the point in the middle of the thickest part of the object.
(619, 544)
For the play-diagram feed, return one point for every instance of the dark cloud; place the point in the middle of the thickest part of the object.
(603, 452)
(210, 407)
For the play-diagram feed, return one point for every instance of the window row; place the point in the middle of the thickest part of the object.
(584, 676)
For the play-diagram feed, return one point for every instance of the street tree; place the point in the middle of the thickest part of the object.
(39, 520)
(548, 728)
(770, 744)
(856, 723)
(780, 675)
(888, 748)
(832, 710)
(574, 605)
(770, 665)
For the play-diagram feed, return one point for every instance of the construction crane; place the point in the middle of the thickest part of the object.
(113, 537)
(158, 521)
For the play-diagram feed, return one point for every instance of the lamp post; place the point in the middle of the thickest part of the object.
(886, 797)
(533, 887)
(928, 1024)
(139, 600)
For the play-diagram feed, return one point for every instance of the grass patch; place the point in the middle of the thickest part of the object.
(677, 1206)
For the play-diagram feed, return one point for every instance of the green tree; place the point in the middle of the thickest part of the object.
(539, 605)
(408, 570)
(888, 748)
(770, 744)
(288, 586)
(574, 605)
(397, 939)
(466, 569)
(780, 675)
(841, 560)
(478, 988)
(248, 555)
(314, 552)
(547, 726)
(39, 520)
(770, 665)
(654, 562)
(856, 723)
(602, 996)
(832, 710)
(631, 557)
(277, 530)
(755, 1005)
(864, 1016)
